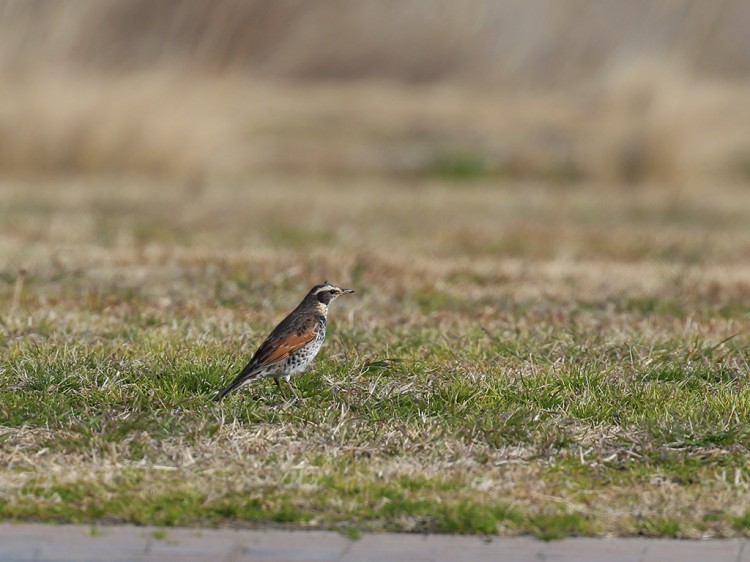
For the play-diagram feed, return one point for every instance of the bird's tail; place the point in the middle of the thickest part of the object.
(223, 392)
(242, 378)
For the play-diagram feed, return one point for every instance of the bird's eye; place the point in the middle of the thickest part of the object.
(332, 291)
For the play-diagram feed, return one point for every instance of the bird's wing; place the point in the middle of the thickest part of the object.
(276, 349)
(287, 337)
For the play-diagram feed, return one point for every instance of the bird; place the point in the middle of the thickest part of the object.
(293, 344)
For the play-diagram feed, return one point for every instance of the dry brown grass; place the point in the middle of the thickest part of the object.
(510, 89)
(513, 43)
(649, 125)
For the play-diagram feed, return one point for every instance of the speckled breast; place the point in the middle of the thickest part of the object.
(299, 360)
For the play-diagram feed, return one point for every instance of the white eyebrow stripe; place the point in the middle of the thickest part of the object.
(325, 288)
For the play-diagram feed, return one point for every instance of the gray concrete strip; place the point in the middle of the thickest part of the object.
(659, 550)
(440, 547)
(77, 543)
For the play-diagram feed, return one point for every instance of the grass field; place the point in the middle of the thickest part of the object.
(518, 358)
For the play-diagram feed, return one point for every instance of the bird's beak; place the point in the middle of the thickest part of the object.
(346, 291)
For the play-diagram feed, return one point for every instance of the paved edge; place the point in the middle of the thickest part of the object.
(24, 542)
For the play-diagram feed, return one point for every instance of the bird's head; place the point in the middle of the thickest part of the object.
(325, 293)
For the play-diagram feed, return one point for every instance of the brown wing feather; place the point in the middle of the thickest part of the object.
(291, 334)
(273, 350)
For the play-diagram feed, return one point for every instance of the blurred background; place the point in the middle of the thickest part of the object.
(536, 129)
(582, 90)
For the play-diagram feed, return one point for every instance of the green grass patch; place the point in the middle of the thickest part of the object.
(558, 526)
(667, 527)
(459, 166)
(473, 519)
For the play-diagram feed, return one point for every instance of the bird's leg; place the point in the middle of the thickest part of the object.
(283, 394)
(294, 390)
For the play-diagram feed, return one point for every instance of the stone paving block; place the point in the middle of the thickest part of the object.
(71, 543)
(240, 545)
(659, 550)
(435, 548)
